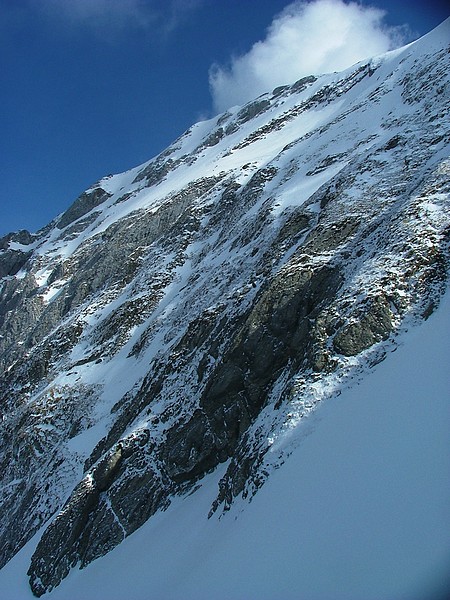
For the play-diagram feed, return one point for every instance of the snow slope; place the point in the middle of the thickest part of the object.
(360, 510)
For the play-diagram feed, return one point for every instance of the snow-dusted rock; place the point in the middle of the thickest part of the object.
(188, 312)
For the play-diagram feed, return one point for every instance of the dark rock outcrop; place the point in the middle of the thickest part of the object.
(84, 204)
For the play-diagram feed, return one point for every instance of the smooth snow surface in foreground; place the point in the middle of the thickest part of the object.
(360, 511)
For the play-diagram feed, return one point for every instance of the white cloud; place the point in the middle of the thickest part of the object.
(98, 13)
(111, 16)
(177, 11)
(306, 38)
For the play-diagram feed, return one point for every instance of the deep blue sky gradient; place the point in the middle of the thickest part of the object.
(77, 104)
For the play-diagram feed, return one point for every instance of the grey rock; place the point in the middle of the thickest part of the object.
(374, 325)
(23, 237)
(251, 110)
(84, 204)
(11, 261)
(302, 83)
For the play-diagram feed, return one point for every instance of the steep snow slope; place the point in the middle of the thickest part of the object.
(359, 510)
(191, 312)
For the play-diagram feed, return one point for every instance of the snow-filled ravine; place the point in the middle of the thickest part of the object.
(359, 511)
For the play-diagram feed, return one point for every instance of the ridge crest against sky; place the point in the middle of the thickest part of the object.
(93, 87)
(305, 38)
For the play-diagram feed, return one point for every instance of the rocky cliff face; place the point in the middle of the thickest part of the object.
(192, 311)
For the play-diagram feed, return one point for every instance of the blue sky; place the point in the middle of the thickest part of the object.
(92, 87)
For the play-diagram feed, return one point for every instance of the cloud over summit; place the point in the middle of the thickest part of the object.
(305, 38)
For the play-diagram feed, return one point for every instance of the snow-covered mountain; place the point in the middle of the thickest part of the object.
(176, 325)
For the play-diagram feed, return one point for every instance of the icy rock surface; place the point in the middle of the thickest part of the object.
(189, 312)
